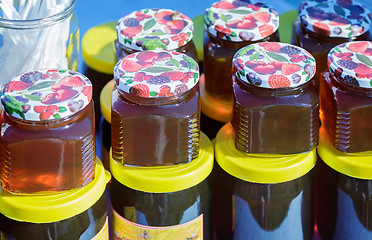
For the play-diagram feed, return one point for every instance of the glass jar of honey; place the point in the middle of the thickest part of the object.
(344, 196)
(322, 25)
(275, 102)
(345, 97)
(231, 25)
(163, 202)
(155, 29)
(155, 111)
(261, 196)
(47, 132)
(74, 214)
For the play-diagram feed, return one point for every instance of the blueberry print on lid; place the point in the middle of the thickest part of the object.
(156, 73)
(335, 18)
(150, 29)
(238, 20)
(274, 65)
(352, 63)
(46, 94)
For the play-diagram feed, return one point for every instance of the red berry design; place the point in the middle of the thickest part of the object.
(72, 81)
(368, 52)
(130, 66)
(224, 5)
(232, 23)
(265, 69)
(163, 17)
(262, 17)
(141, 90)
(65, 94)
(277, 64)
(131, 31)
(17, 86)
(52, 109)
(321, 29)
(271, 46)
(290, 68)
(39, 109)
(363, 70)
(252, 64)
(49, 99)
(164, 89)
(87, 91)
(147, 56)
(45, 115)
(279, 81)
(358, 47)
(246, 24)
(174, 75)
(266, 30)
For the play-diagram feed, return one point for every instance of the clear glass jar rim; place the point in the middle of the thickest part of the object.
(38, 23)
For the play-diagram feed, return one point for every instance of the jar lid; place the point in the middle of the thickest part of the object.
(98, 47)
(157, 73)
(55, 206)
(259, 168)
(352, 63)
(358, 165)
(150, 29)
(238, 21)
(46, 94)
(274, 65)
(165, 179)
(335, 18)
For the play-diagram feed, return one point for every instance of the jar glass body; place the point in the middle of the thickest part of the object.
(54, 155)
(162, 209)
(155, 131)
(85, 225)
(346, 114)
(277, 121)
(248, 210)
(218, 55)
(319, 46)
(48, 41)
(343, 205)
(188, 49)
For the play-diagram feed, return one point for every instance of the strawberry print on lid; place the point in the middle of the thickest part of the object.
(274, 65)
(46, 94)
(156, 73)
(335, 18)
(352, 63)
(151, 29)
(238, 21)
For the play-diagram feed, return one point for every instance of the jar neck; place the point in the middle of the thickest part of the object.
(158, 101)
(274, 92)
(46, 124)
(335, 40)
(343, 86)
(40, 22)
(237, 45)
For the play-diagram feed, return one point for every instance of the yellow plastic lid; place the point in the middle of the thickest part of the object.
(98, 47)
(105, 100)
(260, 168)
(57, 206)
(351, 164)
(166, 179)
(213, 107)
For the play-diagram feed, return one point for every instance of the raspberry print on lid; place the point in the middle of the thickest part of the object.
(352, 63)
(238, 21)
(151, 29)
(46, 94)
(335, 18)
(156, 73)
(274, 65)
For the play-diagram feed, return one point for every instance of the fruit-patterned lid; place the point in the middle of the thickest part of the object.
(150, 29)
(46, 94)
(352, 63)
(335, 18)
(274, 65)
(239, 20)
(156, 73)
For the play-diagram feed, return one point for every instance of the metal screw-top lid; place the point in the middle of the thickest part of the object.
(150, 29)
(274, 65)
(352, 63)
(335, 18)
(46, 94)
(156, 73)
(238, 20)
